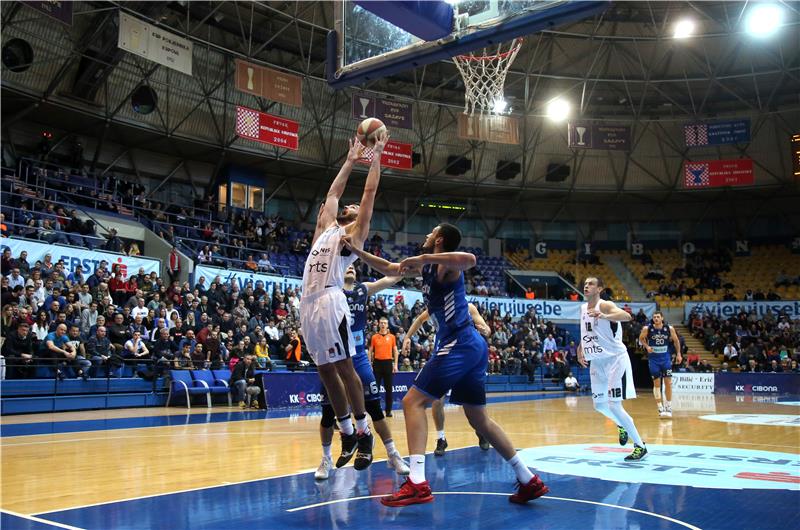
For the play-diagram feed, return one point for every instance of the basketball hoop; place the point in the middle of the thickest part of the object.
(485, 76)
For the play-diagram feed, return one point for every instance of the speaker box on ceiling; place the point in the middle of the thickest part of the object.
(457, 165)
(507, 170)
(557, 173)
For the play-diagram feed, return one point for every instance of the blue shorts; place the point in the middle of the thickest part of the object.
(459, 364)
(660, 365)
(364, 371)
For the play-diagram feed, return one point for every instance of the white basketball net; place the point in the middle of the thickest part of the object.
(485, 76)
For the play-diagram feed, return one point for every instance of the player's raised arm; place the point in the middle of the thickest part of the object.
(330, 207)
(386, 268)
(610, 311)
(360, 228)
(380, 285)
(455, 261)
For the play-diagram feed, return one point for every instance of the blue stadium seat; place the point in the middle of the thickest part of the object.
(181, 382)
(216, 386)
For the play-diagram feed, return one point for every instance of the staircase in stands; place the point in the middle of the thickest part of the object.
(696, 346)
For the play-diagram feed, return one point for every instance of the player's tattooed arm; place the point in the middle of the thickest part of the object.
(380, 285)
(379, 264)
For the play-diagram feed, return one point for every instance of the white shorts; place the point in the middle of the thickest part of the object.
(612, 379)
(325, 321)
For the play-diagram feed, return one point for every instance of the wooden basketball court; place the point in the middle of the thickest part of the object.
(65, 467)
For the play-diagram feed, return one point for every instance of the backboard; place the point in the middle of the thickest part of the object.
(364, 46)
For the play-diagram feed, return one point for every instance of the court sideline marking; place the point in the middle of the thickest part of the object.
(546, 497)
(40, 520)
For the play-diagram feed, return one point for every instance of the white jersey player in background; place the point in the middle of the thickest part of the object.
(610, 372)
(324, 312)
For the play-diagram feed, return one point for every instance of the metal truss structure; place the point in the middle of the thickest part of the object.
(620, 67)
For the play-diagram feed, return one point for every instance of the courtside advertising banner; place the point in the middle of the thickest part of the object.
(516, 307)
(88, 259)
(300, 389)
(692, 383)
(267, 129)
(729, 309)
(757, 383)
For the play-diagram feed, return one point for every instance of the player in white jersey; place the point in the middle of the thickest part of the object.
(324, 312)
(610, 371)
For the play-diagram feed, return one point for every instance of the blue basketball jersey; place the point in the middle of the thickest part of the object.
(447, 303)
(357, 300)
(659, 339)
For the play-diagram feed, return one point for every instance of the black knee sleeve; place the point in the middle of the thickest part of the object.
(328, 417)
(374, 410)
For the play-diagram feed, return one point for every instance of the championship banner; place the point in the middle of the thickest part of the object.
(152, 42)
(717, 132)
(268, 83)
(391, 112)
(729, 309)
(87, 259)
(303, 389)
(59, 10)
(266, 128)
(716, 173)
(692, 383)
(396, 155)
(595, 136)
(495, 129)
(516, 307)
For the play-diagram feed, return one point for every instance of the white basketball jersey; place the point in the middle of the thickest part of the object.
(600, 338)
(325, 265)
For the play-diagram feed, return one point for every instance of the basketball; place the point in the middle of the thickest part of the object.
(369, 131)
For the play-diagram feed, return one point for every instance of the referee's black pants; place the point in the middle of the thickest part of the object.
(384, 376)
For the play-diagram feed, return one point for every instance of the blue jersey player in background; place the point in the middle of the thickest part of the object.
(358, 294)
(458, 364)
(657, 337)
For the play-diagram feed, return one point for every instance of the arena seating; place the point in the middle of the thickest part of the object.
(563, 261)
(757, 272)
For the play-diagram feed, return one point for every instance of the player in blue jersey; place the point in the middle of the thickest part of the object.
(459, 363)
(437, 407)
(358, 294)
(656, 339)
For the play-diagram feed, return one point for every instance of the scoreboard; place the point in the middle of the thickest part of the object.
(796, 155)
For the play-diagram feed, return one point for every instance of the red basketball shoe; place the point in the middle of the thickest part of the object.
(534, 489)
(409, 493)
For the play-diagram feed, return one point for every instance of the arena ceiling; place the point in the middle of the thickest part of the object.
(621, 66)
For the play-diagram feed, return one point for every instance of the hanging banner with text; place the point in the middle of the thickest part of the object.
(396, 155)
(494, 129)
(717, 132)
(152, 42)
(716, 173)
(596, 136)
(61, 11)
(391, 112)
(266, 128)
(268, 83)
